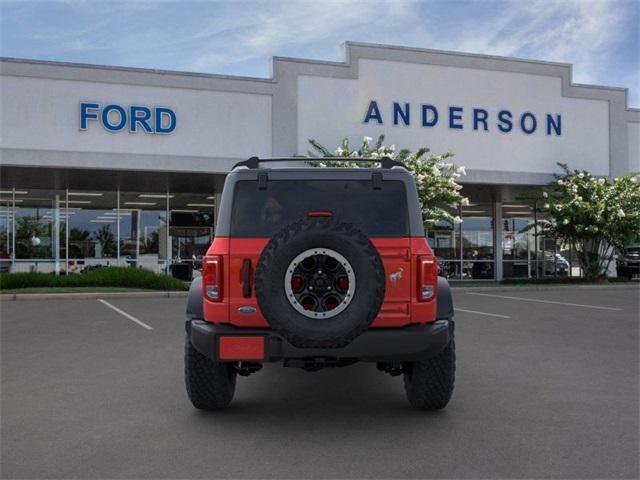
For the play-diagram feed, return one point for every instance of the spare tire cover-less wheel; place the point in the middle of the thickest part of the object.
(320, 283)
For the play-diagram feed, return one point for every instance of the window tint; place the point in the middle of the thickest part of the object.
(377, 213)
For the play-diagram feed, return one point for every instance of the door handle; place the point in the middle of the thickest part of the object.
(246, 278)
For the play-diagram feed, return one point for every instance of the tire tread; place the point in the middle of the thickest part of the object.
(210, 385)
(429, 384)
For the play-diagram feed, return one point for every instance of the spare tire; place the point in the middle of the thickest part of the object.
(320, 283)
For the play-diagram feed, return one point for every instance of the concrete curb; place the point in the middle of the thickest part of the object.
(89, 296)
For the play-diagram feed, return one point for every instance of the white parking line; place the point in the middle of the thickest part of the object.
(543, 301)
(456, 309)
(125, 314)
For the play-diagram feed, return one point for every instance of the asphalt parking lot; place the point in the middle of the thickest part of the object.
(547, 387)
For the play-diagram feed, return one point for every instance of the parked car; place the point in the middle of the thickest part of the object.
(628, 262)
(319, 267)
(553, 264)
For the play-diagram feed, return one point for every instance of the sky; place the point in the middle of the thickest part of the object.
(601, 38)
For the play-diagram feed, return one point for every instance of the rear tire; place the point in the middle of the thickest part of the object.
(429, 384)
(210, 385)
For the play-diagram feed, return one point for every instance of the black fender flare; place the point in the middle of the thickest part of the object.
(445, 300)
(194, 300)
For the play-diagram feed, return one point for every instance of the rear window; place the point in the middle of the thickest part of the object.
(377, 213)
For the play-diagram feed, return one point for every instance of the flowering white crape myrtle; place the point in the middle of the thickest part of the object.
(595, 216)
(435, 177)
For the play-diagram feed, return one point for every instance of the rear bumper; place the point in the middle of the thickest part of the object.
(411, 343)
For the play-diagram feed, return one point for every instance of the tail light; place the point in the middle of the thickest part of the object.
(319, 213)
(212, 278)
(427, 277)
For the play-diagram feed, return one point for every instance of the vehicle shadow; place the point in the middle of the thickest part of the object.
(352, 397)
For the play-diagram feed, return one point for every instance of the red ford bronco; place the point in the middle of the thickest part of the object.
(319, 267)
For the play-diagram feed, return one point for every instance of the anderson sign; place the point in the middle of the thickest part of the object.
(461, 118)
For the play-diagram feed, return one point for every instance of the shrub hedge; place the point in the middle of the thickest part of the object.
(102, 277)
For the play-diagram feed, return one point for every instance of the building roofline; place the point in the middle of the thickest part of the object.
(55, 63)
(346, 62)
(453, 52)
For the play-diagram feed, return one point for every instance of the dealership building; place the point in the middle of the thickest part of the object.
(105, 165)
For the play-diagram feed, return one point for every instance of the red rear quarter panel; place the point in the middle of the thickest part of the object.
(240, 249)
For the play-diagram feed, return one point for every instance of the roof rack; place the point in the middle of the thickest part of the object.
(253, 162)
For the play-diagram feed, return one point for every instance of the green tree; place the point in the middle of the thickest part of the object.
(595, 216)
(79, 242)
(28, 230)
(435, 177)
(105, 237)
(150, 243)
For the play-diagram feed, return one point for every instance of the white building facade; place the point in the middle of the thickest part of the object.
(119, 166)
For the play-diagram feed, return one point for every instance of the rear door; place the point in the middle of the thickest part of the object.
(380, 213)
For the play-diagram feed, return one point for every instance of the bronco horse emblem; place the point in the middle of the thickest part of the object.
(395, 276)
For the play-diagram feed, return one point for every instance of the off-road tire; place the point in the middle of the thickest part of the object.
(429, 384)
(210, 385)
(343, 328)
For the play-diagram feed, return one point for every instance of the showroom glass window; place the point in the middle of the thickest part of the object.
(92, 229)
(444, 239)
(144, 229)
(192, 221)
(39, 229)
(518, 240)
(526, 254)
(6, 229)
(477, 242)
